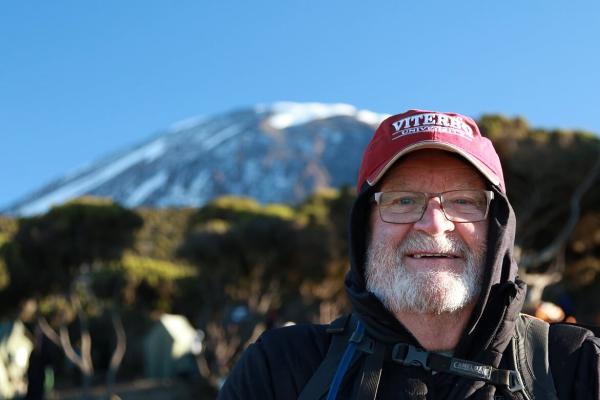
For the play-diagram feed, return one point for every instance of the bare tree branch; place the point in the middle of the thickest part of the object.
(86, 339)
(65, 343)
(119, 352)
(560, 241)
(536, 283)
(63, 340)
(121, 346)
(48, 331)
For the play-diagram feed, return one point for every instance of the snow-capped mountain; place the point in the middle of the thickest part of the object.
(274, 153)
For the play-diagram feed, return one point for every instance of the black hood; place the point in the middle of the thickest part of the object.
(491, 325)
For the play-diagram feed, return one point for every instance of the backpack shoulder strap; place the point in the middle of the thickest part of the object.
(318, 384)
(571, 344)
(530, 351)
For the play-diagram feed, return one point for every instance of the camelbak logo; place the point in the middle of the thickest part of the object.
(432, 122)
(471, 369)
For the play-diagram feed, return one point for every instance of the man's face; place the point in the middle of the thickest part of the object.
(433, 265)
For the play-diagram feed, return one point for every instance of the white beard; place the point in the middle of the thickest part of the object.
(431, 291)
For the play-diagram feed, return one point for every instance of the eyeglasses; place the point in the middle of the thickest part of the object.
(457, 205)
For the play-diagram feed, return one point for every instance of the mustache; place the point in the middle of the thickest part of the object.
(417, 241)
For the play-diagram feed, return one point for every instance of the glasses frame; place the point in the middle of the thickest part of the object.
(488, 194)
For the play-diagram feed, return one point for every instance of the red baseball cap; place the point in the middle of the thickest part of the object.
(414, 130)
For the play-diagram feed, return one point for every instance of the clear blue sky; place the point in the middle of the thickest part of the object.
(81, 79)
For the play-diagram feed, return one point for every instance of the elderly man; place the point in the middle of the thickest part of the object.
(434, 289)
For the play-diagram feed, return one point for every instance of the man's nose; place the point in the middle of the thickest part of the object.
(434, 222)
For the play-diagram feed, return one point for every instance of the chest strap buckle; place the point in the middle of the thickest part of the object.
(410, 356)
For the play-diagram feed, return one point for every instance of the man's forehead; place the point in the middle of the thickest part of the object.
(442, 167)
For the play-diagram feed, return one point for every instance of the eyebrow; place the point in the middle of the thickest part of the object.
(471, 184)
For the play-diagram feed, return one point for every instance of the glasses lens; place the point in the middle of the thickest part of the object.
(465, 205)
(401, 207)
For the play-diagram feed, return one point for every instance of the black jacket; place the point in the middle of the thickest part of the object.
(282, 361)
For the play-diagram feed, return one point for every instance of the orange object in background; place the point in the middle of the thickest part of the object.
(550, 312)
(570, 319)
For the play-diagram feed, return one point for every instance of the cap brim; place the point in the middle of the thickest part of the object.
(481, 167)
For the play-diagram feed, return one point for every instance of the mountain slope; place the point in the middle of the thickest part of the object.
(275, 153)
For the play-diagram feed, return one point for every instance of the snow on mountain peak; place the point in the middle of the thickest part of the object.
(370, 117)
(287, 114)
(198, 159)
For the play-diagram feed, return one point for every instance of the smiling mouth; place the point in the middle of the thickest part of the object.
(432, 255)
